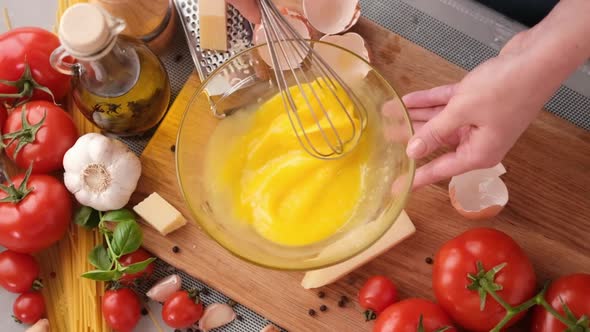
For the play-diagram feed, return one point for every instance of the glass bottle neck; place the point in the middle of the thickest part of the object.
(114, 74)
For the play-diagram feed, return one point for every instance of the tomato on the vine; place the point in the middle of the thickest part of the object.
(29, 307)
(572, 291)
(182, 309)
(24, 61)
(36, 211)
(18, 272)
(137, 256)
(39, 133)
(377, 293)
(121, 309)
(487, 256)
(412, 315)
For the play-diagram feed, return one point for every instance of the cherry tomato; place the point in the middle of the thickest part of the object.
(29, 307)
(30, 47)
(18, 271)
(3, 116)
(38, 216)
(43, 147)
(574, 292)
(404, 316)
(377, 294)
(459, 258)
(137, 256)
(182, 310)
(121, 309)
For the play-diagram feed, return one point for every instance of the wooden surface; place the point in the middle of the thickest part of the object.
(548, 212)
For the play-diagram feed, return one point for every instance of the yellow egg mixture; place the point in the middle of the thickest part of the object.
(260, 174)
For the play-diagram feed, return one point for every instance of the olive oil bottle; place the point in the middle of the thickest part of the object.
(119, 84)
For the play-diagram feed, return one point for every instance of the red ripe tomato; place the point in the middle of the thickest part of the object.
(459, 258)
(404, 316)
(37, 213)
(377, 294)
(137, 256)
(573, 291)
(182, 309)
(30, 47)
(29, 307)
(18, 271)
(41, 138)
(121, 309)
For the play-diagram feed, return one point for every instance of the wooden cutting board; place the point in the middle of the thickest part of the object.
(548, 213)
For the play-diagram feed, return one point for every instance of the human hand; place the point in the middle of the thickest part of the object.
(481, 117)
(248, 8)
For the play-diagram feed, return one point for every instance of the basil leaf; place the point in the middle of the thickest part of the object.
(126, 238)
(99, 257)
(87, 217)
(100, 275)
(119, 216)
(138, 267)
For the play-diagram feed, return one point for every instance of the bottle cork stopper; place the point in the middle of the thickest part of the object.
(84, 29)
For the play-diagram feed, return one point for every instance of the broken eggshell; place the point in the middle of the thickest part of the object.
(332, 17)
(479, 194)
(294, 53)
(343, 63)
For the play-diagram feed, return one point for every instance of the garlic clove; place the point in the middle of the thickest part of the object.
(216, 315)
(479, 194)
(42, 325)
(162, 290)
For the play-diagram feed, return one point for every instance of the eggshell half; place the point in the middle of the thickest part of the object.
(479, 194)
(345, 65)
(332, 17)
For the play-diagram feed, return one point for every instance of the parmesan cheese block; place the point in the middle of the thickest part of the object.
(213, 25)
(399, 231)
(160, 214)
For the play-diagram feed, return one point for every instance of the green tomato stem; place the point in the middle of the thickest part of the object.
(542, 302)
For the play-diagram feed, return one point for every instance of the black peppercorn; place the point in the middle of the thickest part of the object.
(341, 303)
(311, 312)
(205, 291)
(321, 294)
(144, 311)
(344, 298)
(175, 249)
(173, 148)
(429, 260)
(240, 318)
(178, 58)
(323, 307)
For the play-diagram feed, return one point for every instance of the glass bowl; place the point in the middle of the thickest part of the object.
(244, 83)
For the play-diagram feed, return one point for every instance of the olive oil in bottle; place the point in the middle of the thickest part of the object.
(119, 84)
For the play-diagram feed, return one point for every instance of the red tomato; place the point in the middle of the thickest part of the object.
(404, 316)
(44, 147)
(18, 271)
(457, 258)
(182, 310)
(121, 309)
(137, 256)
(39, 215)
(30, 46)
(3, 116)
(377, 294)
(29, 307)
(574, 291)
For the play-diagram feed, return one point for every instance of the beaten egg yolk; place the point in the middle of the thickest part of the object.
(288, 196)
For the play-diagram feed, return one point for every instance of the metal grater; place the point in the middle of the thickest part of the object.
(239, 36)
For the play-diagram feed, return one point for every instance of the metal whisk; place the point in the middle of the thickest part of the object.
(282, 38)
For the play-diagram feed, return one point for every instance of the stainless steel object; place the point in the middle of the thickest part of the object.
(286, 47)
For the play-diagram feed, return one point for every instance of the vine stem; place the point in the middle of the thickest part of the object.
(511, 311)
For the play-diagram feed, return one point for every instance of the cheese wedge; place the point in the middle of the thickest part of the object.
(160, 214)
(213, 25)
(399, 231)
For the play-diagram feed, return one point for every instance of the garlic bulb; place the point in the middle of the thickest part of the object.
(101, 172)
